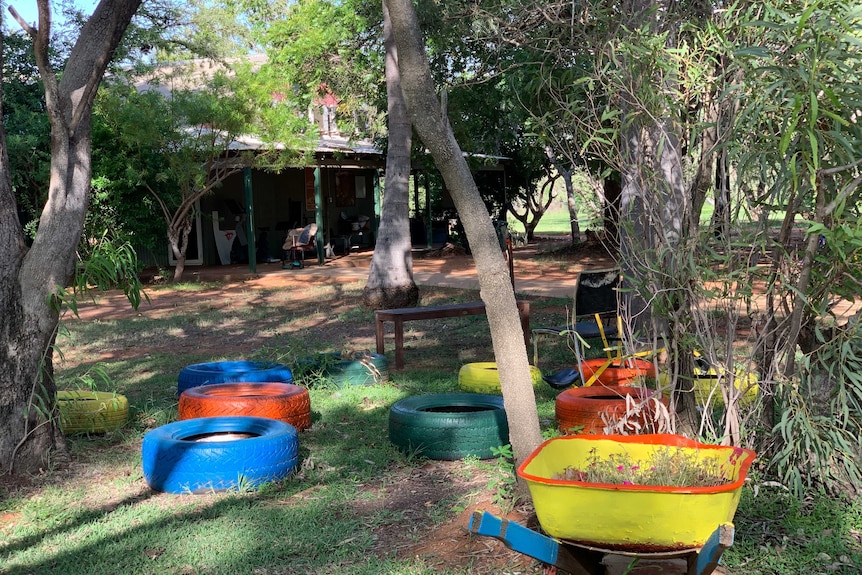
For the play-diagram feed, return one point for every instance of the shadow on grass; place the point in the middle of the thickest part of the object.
(78, 520)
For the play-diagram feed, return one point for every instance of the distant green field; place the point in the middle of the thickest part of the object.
(555, 221)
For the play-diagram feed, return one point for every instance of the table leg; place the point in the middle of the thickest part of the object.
(399, 343)
(378, 330)
(524, 308)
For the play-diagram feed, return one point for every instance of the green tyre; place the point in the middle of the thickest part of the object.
(449, 426)
(339, 371)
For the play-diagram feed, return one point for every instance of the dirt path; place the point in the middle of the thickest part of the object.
(539, 271)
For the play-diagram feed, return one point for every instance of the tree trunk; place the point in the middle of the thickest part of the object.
(31, 279)
(570, 194)
(611, 194)
(178, 238)
(495, 286)
(574, 223)
(653, 211)
(390, 278)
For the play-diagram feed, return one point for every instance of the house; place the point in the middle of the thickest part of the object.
(246, 218)
(339, 192)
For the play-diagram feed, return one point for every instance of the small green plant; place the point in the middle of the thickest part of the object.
(553, 432)
(666, 467)
(245, 485)
(504, 481)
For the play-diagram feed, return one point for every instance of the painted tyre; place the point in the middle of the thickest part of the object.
(449, 426)
(218, 453)
(232, 371)
(628, 372)
(84, 411)
(707, 392)
(365, 369)
(283, 401)
(587, 410)
(483, 377)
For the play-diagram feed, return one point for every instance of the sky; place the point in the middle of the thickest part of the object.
(27, 10)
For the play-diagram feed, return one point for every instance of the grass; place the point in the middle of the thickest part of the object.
(356, 505)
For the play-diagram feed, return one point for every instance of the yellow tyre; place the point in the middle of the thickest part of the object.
(84, 411)
(482, 377)
(706, 387)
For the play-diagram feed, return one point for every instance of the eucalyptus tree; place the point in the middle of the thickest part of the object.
(801, 165)
(342, 47)
(390, 278)
(33, 279)
(757, 104)
(495, 288)
(607, 84)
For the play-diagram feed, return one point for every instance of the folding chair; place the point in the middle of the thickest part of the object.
(297, 243)
(594, 315)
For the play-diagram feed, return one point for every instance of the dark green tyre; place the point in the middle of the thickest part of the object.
(362, 368)
(449, 426)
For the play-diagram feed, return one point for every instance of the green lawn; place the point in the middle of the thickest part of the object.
(356, 505)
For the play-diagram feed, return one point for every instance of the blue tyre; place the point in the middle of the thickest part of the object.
(218, 454)
(232, 372)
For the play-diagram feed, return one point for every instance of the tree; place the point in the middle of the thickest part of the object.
(533, 181)
(26, 125)
(329, 43)
(495, 288)
(32, 279)
(181, 146)
(390, 278)
(797, 142)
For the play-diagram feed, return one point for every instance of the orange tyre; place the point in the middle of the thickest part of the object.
(589, 410)
(283, 401)
(625, 372)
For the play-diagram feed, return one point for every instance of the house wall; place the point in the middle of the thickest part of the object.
(281, 202)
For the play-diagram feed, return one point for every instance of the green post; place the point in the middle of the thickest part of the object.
(249, 209)
(378, 205)
(428, 220)
(318, 215)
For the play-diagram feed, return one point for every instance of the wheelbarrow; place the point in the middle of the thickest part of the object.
(579, 559)
(588, 527)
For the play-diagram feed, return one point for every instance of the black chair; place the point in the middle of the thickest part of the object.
(594, 315)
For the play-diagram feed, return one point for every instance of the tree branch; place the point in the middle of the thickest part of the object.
(23, 23)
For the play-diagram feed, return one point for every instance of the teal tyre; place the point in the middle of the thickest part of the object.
(483, 377)
(219, 454)
(232, 372)
(449, 426)
(359, 369)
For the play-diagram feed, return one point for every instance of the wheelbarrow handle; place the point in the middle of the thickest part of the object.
(533, 544)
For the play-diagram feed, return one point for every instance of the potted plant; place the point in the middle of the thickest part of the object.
(601, 489)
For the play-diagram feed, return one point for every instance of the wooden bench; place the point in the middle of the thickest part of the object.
(400, 315)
